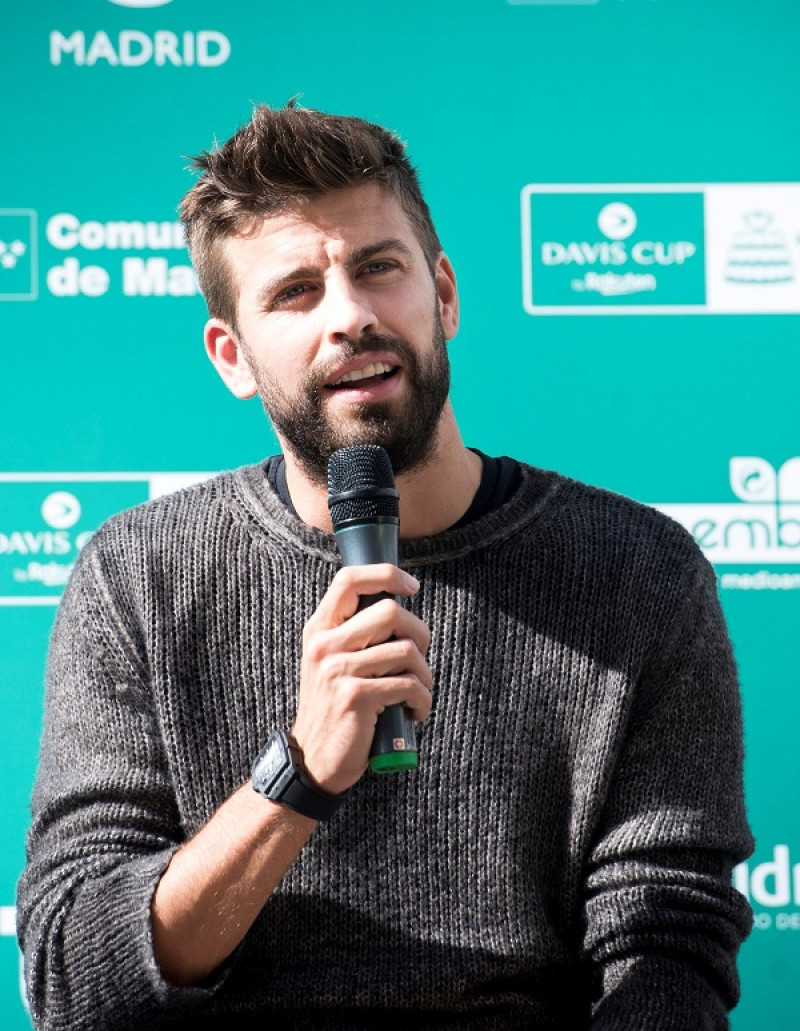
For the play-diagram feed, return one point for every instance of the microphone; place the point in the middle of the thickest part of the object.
(365, 512)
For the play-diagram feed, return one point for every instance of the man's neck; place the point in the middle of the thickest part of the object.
(432, 497)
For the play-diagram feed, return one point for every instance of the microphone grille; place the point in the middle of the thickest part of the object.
(366, 471)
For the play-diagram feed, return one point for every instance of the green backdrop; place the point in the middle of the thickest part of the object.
(615, 182)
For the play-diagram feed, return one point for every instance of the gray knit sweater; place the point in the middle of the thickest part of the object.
(561, 858)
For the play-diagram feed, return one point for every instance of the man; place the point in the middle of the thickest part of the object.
(562, 856)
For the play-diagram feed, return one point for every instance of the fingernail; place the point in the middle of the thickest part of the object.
(411, 581)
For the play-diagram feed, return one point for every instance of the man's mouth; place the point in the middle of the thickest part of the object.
(373, 373)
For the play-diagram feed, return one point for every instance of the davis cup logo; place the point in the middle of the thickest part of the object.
(47, 518)
(666, 249)
(627, 247)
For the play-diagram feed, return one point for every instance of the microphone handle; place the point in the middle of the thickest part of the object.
(394, 746)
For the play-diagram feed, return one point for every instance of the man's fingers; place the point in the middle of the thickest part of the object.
(395, 657)
(351, 583)
(373, 625)
(379, 693)
(408, 691)
(378, 623)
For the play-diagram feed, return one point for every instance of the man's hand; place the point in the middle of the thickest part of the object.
(354, 665)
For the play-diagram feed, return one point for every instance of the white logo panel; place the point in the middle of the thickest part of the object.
(753, 248)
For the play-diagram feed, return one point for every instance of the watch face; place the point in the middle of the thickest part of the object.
(270, 767)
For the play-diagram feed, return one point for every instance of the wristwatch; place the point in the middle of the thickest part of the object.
(279, 775)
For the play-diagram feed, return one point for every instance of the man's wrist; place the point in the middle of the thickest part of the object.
(279, 775)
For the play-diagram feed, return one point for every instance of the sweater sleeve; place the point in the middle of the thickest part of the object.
(662, 923)
(104, 825)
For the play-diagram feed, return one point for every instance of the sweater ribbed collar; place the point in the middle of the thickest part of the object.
(532, 498)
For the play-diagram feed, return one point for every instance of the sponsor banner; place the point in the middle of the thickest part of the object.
(136, 43)
(46, 518)
(673, 249)
(87, 257)
(772, 886)
(763, 527)
(737, 534)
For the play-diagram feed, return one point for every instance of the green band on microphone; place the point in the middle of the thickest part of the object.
(394, 762)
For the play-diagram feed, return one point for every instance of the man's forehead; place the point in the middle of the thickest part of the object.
(353, 208)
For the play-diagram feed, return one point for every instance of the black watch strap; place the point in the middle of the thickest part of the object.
(279, 775)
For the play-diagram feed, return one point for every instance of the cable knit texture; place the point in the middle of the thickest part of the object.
(562, 857)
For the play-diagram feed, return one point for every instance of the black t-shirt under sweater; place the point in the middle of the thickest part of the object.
(499, 479)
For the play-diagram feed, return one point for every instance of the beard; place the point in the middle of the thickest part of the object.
(406, 428)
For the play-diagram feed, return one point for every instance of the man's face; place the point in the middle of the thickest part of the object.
(343, 326)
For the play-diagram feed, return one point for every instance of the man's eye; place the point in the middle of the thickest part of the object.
(376, 267)
(291, 293)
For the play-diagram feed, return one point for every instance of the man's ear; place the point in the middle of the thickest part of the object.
(447, 292)
(229, 359)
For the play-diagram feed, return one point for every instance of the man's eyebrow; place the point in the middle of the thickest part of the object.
(371, 249)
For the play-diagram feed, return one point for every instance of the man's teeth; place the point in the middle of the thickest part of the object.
(378, 369)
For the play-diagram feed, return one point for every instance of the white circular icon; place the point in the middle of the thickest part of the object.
(616, 220)
(61, 510)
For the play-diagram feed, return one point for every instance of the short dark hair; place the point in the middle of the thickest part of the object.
(282, 155)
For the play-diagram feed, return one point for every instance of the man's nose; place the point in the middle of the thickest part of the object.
(347, 311)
